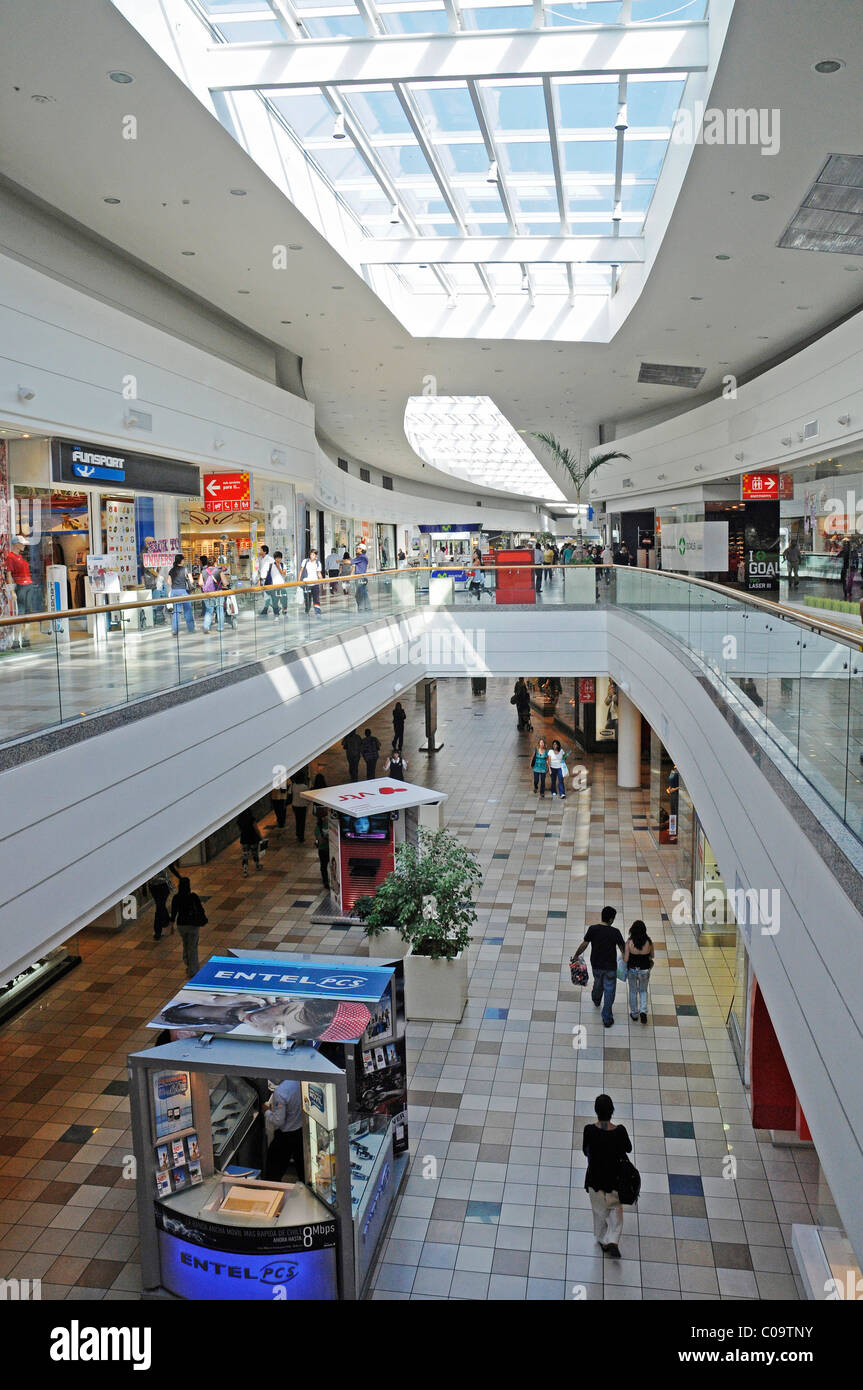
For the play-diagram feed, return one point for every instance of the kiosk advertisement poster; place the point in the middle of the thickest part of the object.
(172, 1102)
(203, 1260)
(382, 1087)
(103, 575)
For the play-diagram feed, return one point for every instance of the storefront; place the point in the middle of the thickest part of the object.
(212, 1227)
(232, 523)
(593, 713)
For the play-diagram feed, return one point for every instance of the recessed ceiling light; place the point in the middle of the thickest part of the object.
(696, 296)
(37, 96)
(238, 192)
(187, 253)
(804, 306)
(723, 258)
(295, 246)
(112, 201)
(337, 287)
(122, 77)
(761, 197)
(825, 67)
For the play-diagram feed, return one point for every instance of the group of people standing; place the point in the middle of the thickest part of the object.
(368, 747)
(208, 579)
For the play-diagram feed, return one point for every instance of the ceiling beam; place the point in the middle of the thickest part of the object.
(529, 250)
(600, 50)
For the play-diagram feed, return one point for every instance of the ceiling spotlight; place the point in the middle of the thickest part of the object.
(827, 66)
(699, 467)
(187, 253)
(786, 440)
(395, 215)
(339, 127)
(844, 420)
(660, 477)
(722, 258)
(491, 176)
(761, 197)
(739, 457)
(218, 443)
(627, 482)
(26, 393)
(238, 192)
(112, 201)
(621, 123)
(617, 215)
(123, 77)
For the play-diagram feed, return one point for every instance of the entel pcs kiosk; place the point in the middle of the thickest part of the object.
(211, 1226)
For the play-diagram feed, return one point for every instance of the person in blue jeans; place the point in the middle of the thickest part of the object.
(539, 767)
(180, 587)
(604, 941)
(638, 956)
(213, 607)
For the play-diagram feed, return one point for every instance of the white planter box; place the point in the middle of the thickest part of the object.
(389, 944)
(435, 989)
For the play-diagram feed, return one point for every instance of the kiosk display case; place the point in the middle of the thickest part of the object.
(211, 1226)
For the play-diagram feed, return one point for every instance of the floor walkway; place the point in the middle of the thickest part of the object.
(498, 1101)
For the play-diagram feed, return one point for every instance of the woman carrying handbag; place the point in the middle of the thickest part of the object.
(605, 1146)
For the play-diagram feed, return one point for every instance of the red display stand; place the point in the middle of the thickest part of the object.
(514, 571)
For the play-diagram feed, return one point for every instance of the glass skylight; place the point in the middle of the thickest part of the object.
(469, 438)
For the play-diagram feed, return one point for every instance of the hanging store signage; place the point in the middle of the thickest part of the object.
(587, 690)
(786, 487)
(759, 487)
(75, 462)
(227, 492)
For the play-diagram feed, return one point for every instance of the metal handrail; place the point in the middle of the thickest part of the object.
(787, 613)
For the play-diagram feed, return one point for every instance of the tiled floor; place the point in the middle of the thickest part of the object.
(494, 1205)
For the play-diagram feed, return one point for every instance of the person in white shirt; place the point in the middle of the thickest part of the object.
(332, 565)
(607, 559)
(263, 574)
(396, 766)
(285, 1117)
(557, 765)
(310, 569)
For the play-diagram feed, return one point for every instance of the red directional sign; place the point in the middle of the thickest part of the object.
(227, 492)
(759, 487)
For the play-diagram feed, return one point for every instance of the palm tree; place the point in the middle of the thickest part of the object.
(570, 463)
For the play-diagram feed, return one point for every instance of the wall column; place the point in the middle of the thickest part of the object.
(628, 743)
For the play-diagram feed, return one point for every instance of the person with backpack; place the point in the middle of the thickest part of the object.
(353, 746)
(210, 586)
(605, 1146)
(539, 767)
(557, 766)
(311, 570)
(187, 911)
(521, 699)
(638, 959)
(371, 747)
(252, 844)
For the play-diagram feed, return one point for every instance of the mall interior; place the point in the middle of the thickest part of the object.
(377, 463)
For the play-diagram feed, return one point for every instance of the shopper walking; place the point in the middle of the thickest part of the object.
(521, 700)
(353, 746)
(399, 717)
(181, 586)
(792, 560)
(187, 911)
(538, 561)
(322, 845)
(638, 958)
(371, 747)
(605, 1145)
(310, 570)
(252, 843)
(346, 568)
(539, 767)
(361, 584)
(213, 606)
(264, 575)
(160, 892)
(557, 767)
(279, 802)
(298, 784)
(604, 941)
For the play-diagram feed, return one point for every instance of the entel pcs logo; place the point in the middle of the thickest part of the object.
(77, 1343)
(87, 456)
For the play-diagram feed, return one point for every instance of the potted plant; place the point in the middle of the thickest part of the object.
(571, 463)
(428, 899)
(382, 937)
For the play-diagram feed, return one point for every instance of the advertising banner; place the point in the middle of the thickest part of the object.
(172, 1102)
(227, 492)
(761, 546)
(695, 547)
(102, 574)
(587, 690)
(74, 462)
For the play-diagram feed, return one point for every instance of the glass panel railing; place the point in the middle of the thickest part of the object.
(802, 681)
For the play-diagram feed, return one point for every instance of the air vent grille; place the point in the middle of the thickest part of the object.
(343, 465)
(386, 483)
(365, 475)
(830, 218)
(663, 374)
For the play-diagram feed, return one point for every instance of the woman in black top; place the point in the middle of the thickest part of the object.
(399, 717)
(638, 958)
(178, 578)
(187, 911)
(251, 841)
(604, 1145)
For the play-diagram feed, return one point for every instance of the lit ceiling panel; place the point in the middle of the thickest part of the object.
(469, 438)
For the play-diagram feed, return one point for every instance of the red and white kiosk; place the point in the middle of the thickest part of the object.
(367, 820)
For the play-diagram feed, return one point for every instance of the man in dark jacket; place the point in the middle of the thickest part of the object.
(371, 747)
(604, 941)
(353, 744)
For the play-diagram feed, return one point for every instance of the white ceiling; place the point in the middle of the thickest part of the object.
(359, 365)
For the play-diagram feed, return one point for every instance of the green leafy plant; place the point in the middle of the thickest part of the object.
(571, 463)
(428, 897)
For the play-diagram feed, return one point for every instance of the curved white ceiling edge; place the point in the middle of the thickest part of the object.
(469, 438)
